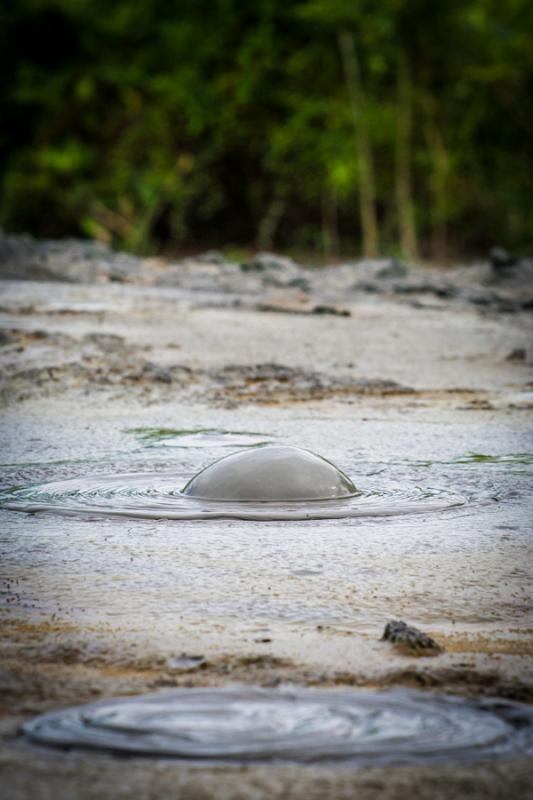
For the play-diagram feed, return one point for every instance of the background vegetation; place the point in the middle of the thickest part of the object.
(398, 126)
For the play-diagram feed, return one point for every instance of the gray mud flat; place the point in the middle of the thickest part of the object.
(121, 379)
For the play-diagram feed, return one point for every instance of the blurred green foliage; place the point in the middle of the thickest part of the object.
(270, 123)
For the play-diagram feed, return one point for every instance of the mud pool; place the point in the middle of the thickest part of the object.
(236, 493)
(115, 395)
(253, 725)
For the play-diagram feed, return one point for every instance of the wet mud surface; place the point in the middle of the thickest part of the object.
(241, 725)
(115, 366)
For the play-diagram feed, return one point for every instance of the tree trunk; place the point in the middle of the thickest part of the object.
(404, 190)
(330, 223)
(367, 191)
(439, 191)
(270, 222)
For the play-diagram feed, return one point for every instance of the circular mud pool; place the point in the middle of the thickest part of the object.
(242, 724)
(269, 483)
(155, 496)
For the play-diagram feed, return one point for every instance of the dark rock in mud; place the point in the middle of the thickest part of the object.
(336, 311)
(501, 259)
(186, 662)
(518, 354)
(443, 291)
(156, 373)
(301, 305)
(410, 639)
(395, 269)
(262, 262)
(299, 283)
(274, 270)
(213, 257)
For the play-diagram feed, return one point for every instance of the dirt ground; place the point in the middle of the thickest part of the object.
(88, 339)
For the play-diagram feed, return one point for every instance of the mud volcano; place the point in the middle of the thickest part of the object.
(271, 473)
(265, 483)
(247, 724)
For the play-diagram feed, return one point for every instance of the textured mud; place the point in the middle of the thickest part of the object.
(407, 379)
(292, 726)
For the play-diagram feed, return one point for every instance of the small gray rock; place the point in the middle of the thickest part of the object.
(264, 262)
(501, 259)
(213, 257)
(394, 269)
(186, 662)
(406, 637)
(156, 373)
(518, 354)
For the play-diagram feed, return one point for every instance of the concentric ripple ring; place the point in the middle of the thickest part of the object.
(156, 496)
(243, 724)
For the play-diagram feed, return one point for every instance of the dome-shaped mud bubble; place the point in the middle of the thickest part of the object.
(267, 483)
(272, 473)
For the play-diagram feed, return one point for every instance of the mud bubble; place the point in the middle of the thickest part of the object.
(266, 483)
(271, 473)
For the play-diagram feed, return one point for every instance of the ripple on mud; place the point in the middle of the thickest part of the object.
(242, 724)
(158, 496)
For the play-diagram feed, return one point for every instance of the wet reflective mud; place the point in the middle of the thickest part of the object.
(241, 724)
